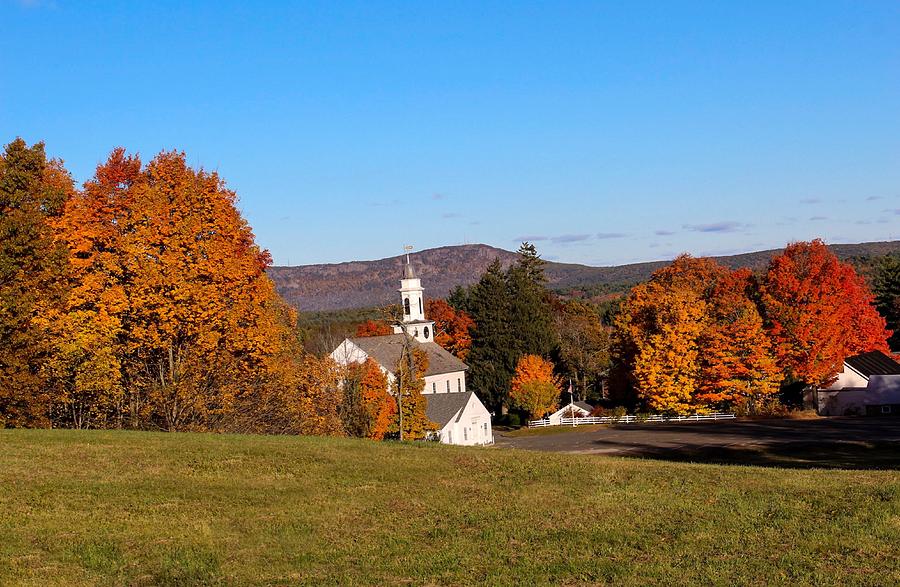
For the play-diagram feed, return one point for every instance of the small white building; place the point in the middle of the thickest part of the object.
(868, 385)
(577, 409)
(458, 413)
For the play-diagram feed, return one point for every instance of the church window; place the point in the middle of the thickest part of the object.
(449, 436)
(465, 434)
(421, 311)
(434, 387)
(406, 306)
(416, 333)
(426, 332)
(448, 386)
(459, 384)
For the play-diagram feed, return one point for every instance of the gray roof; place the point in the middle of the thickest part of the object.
(443, 407)
(386, 351)
(408, 272)
(585, 406)
(873, 363)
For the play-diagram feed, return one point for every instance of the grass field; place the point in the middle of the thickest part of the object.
(110, 508)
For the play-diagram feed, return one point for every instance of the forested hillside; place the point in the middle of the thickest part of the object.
(359, 284)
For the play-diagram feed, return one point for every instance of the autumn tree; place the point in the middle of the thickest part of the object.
(737, 364)
(32, 280)
(583, 343)
(373, 328)
(368, 408)
(204, 321)
(818, 311)
(88, 367)
(411, 422)
(452, 328)
(659, 328)
(534, 388)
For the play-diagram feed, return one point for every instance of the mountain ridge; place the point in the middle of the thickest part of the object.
(358, 284)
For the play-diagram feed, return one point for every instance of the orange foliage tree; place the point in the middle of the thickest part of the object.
(373, 328)
(737, 365)
(535, 389)
(91, 354)
(379, 404)
(818, 311)
(453, 328)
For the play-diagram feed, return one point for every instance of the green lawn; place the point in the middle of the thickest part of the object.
(110, 508)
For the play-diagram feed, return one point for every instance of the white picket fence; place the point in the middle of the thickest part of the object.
(628, 419)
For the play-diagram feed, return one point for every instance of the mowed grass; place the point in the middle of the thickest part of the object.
(111, 508)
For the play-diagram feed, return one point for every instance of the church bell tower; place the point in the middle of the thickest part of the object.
(413, 303)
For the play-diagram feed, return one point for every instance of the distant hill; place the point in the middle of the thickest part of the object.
(359, 284)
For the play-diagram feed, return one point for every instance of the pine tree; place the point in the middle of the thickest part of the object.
(886, 287)
(32, 280)
(492, 358)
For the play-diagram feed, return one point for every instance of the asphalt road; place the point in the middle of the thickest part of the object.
(826, 442)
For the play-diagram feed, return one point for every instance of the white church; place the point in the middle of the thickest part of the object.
(459, 414)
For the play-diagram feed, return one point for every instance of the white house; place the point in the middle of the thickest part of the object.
(459, 414)
(868, 384)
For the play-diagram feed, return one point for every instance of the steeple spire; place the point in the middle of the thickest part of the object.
(412, 300)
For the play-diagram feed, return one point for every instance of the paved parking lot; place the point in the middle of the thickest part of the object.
(826, 442)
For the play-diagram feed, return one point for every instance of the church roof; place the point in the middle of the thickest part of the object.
(408, 272)
(386, 351)
(443, 407)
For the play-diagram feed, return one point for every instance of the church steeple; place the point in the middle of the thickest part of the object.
(412, 300)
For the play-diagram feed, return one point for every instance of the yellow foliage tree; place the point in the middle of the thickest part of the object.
(535, 389)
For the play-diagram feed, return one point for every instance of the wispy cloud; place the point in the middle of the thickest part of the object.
(811, 201)
(818, 218)
(438, 196)
(385, 204)
(725, 226)
(532, 238)
(663, 232)
(608, 235)
(448, 215)
(874, 198)
(570, 238)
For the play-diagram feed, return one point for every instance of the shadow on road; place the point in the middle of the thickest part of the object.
(834, 443)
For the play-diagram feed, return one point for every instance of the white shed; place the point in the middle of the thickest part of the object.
(578, 409)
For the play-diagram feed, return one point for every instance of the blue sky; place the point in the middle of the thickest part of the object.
(607, 132)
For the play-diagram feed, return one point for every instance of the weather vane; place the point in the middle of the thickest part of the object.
(407, 248)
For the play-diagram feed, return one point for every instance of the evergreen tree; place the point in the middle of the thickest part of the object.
(492, 358)
(529, 314)
(886, 288)
(512, 318)
(32, 280)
